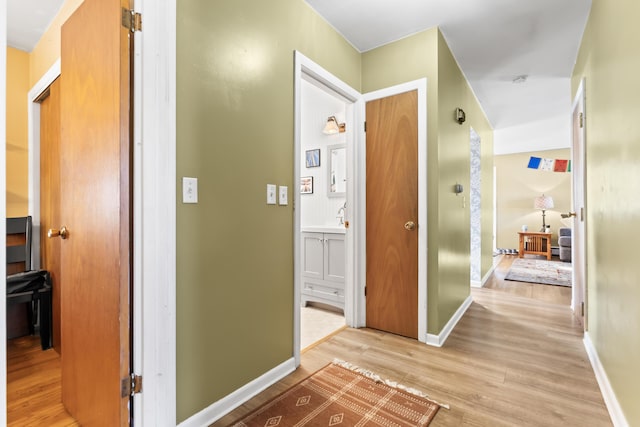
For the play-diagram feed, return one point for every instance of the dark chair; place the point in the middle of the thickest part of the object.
(31, 287)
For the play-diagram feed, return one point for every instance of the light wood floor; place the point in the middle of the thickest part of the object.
(515, 359)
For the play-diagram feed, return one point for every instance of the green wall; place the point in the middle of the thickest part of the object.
(426, 54)
(609, 62)
(235, 133)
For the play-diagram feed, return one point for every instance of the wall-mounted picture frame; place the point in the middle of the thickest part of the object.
(313, 158)
(306, 185)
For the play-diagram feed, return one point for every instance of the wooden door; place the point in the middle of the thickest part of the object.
(392, 214)
(578, 232)
(95, 184)
(50, 195)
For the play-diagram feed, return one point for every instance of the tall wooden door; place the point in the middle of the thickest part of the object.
(50, 195)
(579, 230)
(392, 214)
(95, 183)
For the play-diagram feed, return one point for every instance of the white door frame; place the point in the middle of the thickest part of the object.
(579, 230)
(307, 69)
(154, 210)
(421, 86)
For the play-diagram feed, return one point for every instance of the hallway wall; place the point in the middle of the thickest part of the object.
(610, 65)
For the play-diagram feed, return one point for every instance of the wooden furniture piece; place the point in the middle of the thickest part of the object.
(323, 267)
(534, 243)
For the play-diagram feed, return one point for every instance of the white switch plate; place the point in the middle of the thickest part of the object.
(271, 194)
(283, 194)
(189, 190)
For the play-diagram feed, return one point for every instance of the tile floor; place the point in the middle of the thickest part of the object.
(316, 322)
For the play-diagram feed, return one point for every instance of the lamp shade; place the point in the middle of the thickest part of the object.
(543, 202)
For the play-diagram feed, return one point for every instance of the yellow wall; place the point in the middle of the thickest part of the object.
(17, 135)
(517, 187)
(426, 54)
(23, 72)
(47, 51)
(235, 133)
(610, 67)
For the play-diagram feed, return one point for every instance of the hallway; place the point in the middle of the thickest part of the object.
(512, 360)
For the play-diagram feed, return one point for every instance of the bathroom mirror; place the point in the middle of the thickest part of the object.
(337, 170)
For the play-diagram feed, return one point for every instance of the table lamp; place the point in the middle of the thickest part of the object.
(543, 203)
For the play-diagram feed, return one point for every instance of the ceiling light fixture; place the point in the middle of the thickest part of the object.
(520, 79)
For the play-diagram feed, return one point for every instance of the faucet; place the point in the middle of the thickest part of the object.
(342, 210)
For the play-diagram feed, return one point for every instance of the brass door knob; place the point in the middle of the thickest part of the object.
(568, 215)
(63, 233)
(409, 225)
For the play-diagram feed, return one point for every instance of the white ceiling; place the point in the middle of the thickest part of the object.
(27, 20)
(494, 41)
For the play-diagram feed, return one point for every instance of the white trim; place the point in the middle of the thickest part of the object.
(421, 86)
(610, 399)
(3, 210)
(230, 402)
(34, 155)
(307, 69)
(154, 323)
(439, 340)
(476, 284)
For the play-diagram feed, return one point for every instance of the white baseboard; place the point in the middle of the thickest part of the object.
(615, 411)
(438, 340)
(476, 284)
(227, 404)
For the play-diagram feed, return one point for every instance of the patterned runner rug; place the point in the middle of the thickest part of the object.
(540, 271)
(341, 394)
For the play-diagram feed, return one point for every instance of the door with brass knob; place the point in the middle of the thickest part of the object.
(63, 233)
(392, 206)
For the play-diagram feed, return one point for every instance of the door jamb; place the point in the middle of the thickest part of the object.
(306, 68)
(421, 86)
(580, 97)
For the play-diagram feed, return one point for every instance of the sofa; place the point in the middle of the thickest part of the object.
(564, 243)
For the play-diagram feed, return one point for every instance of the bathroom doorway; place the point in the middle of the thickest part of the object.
(324, 249)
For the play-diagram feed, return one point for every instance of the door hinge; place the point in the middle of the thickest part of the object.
(581, 120)
(131, 385)
(582, 309)
(365, 126)
(131, 20)
(365, 291)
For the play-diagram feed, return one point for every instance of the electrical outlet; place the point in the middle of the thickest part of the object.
(283, 194)
(271, 194)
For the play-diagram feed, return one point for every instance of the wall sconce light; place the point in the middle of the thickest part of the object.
(332, 127)
(458, 189)
(460, 116)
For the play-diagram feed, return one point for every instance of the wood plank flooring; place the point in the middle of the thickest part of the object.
(34, 392)
(515, 359)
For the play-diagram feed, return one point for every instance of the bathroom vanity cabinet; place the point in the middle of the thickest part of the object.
(323, 268)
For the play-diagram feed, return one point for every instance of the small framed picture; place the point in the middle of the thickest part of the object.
(306, 185)
(313, 158)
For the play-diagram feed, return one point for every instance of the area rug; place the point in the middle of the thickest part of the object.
(540, 271)
(341, 394)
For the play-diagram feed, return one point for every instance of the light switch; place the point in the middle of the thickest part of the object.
(271, 194)
(283, 194)
(189, 190)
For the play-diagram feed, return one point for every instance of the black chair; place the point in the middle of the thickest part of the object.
(31, 287)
